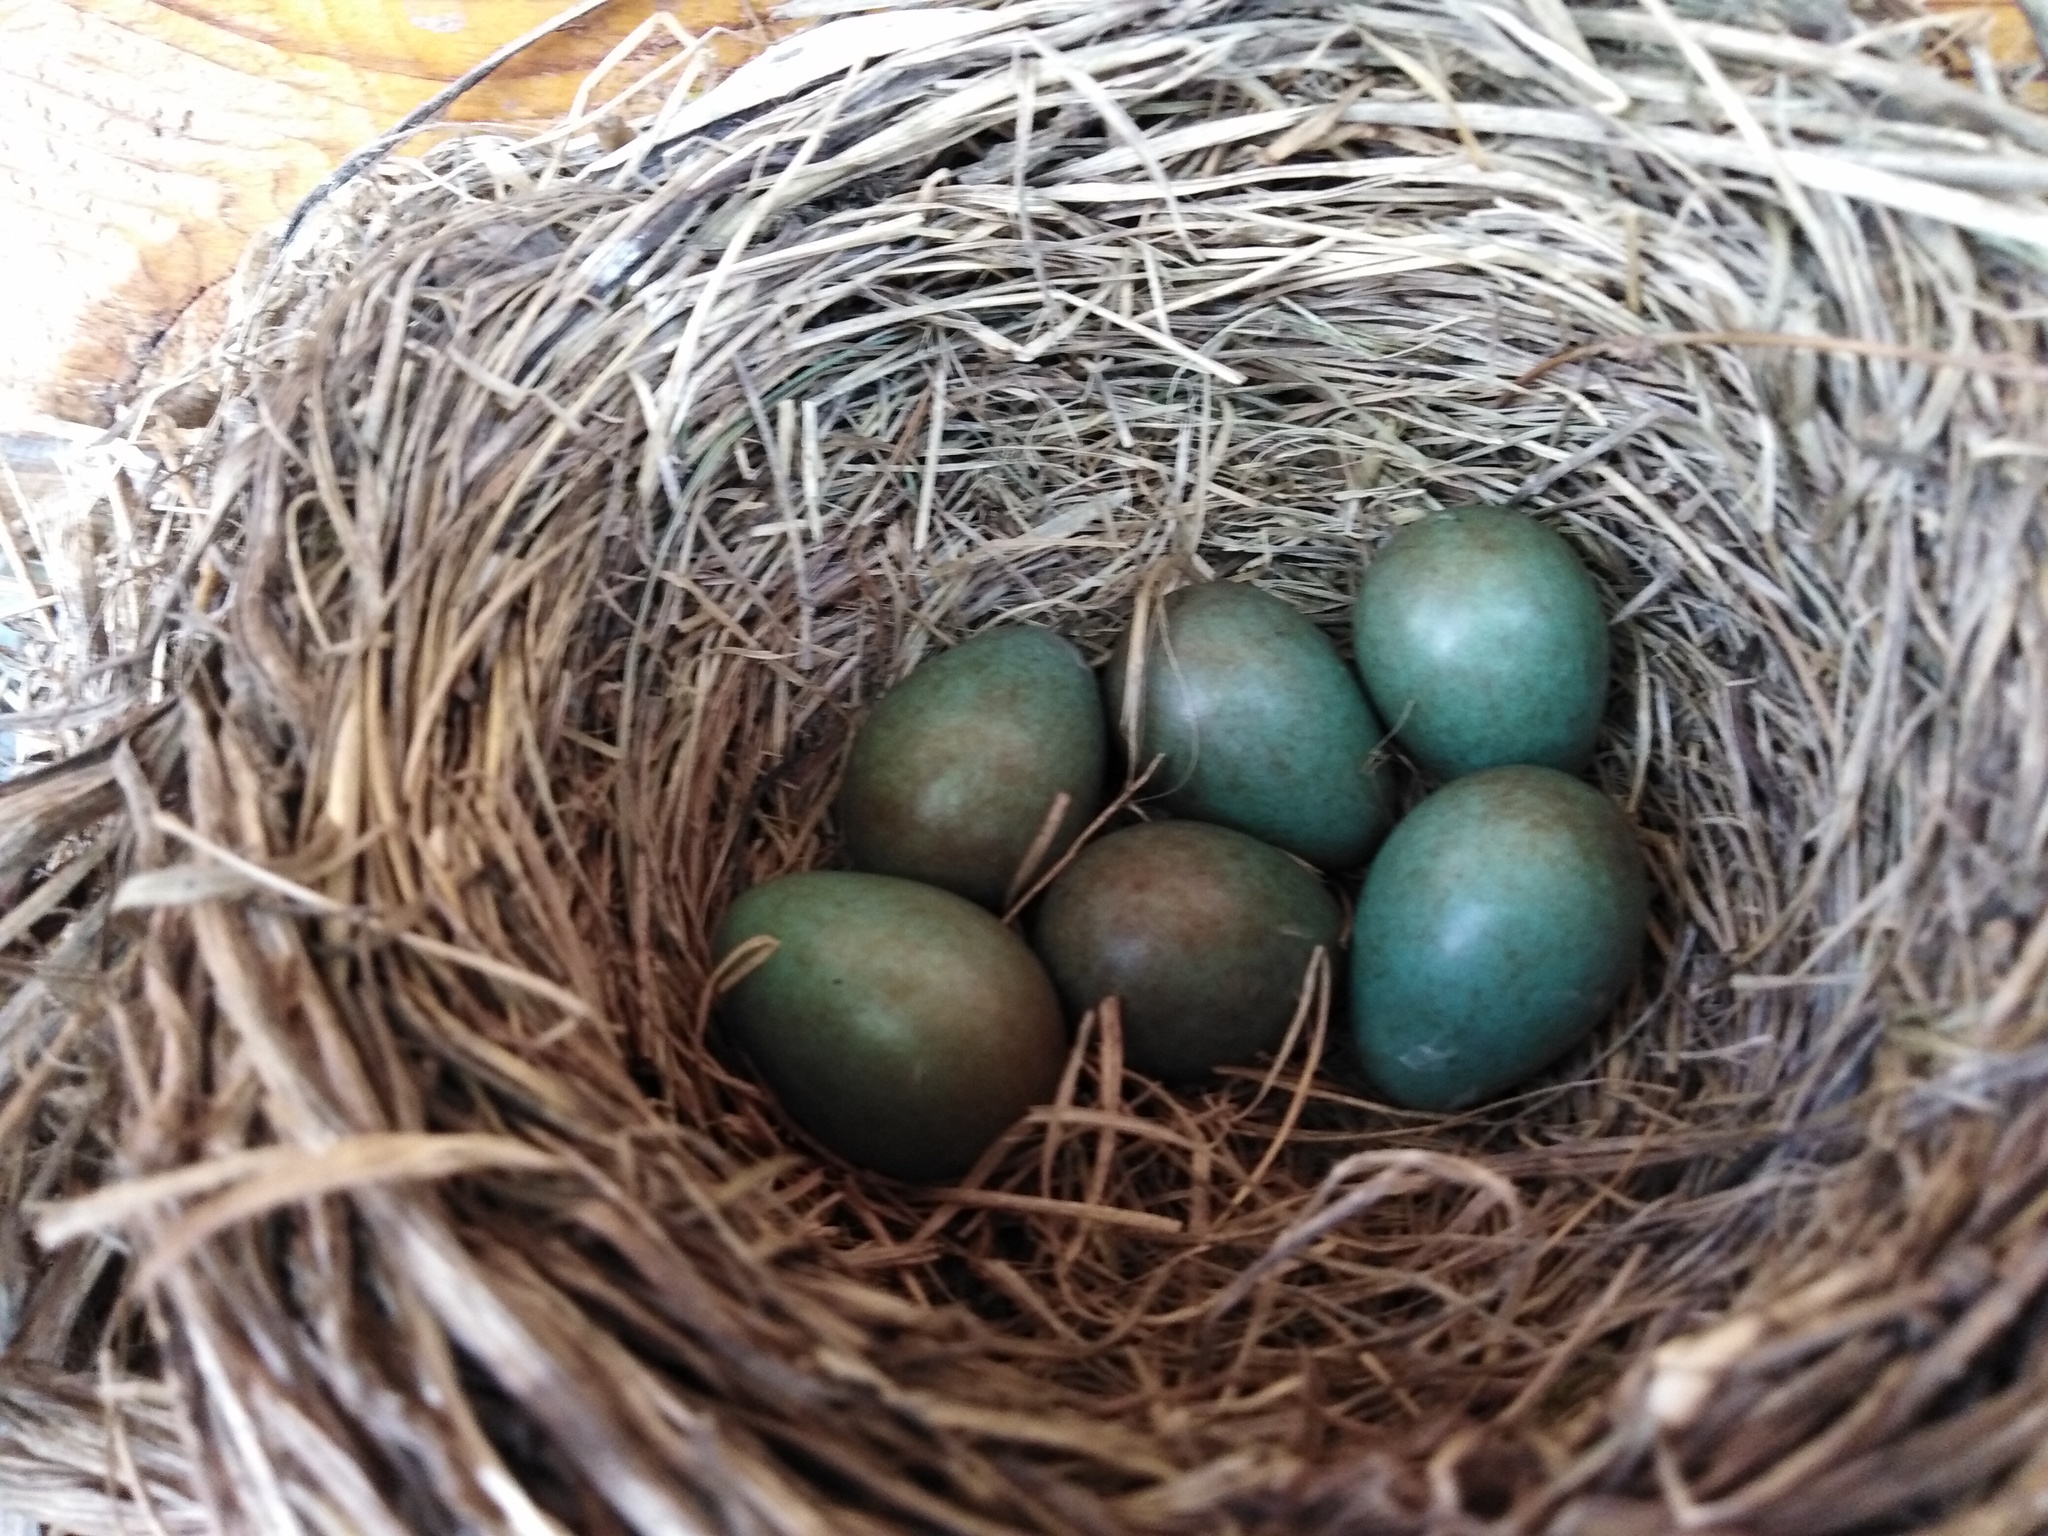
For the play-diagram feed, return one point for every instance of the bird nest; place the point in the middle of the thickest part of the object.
(371, 1159)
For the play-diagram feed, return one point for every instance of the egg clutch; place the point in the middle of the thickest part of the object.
(903, 1024)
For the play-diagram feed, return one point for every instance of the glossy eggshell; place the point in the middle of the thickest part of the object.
(1201, 933)
(902, 1026)
(1501, 922)
(1263, 727)
(954, 771)
(1481, 641)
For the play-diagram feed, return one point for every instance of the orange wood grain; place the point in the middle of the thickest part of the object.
(434, 41)
(144, 142)
(2001, 26)
(2006, 32)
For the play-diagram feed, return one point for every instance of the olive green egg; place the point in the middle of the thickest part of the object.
(901, 1025)
(1501, 922)
(1481, 640)
(1262, 726)
(1202, 934)
(955, 770)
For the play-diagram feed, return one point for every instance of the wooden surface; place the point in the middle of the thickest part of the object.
(2002, 35)
(143, 142)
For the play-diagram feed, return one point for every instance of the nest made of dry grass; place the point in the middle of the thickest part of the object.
(369, 1162)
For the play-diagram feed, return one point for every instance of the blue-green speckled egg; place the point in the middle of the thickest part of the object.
(901, 1025)
(1262, 725)
(1501, 922)
(1481, 641)
(954, 771)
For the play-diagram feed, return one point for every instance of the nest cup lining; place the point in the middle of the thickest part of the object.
(578, 506)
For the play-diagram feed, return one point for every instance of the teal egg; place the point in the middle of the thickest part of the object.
(1263, 727)
(955, 770)
(1501, 922)
(1202, 934)
(1481, 640)
(901, 1025)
